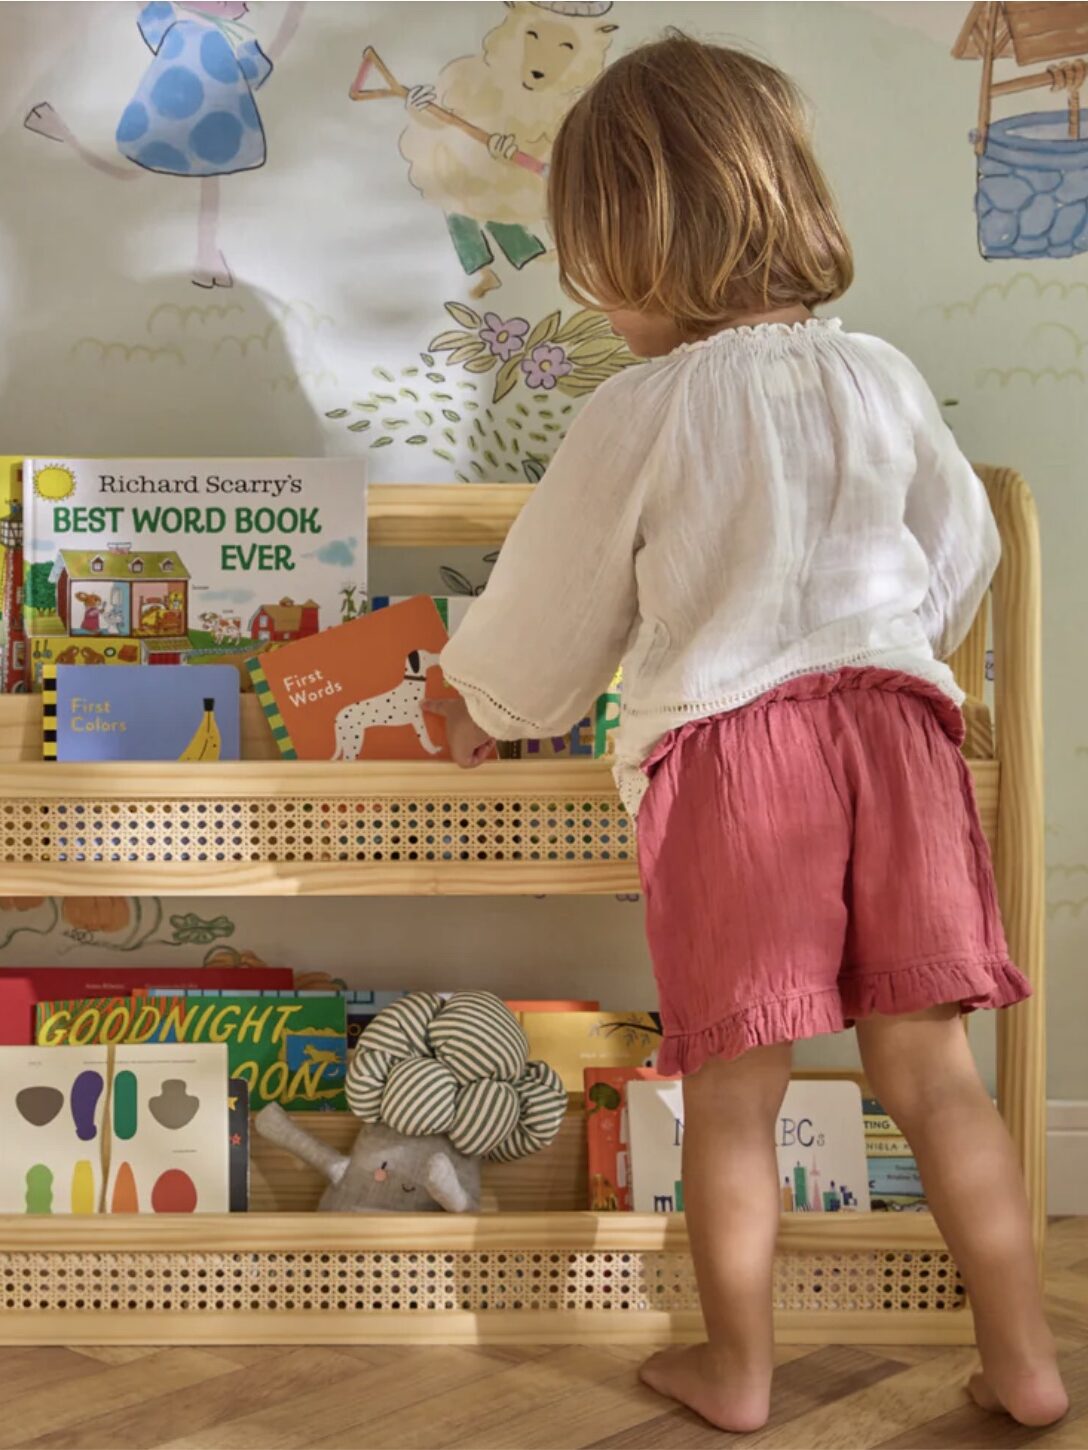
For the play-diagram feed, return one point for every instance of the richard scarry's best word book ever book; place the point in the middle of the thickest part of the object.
(192, 556)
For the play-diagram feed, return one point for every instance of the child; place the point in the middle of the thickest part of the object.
(773, 528)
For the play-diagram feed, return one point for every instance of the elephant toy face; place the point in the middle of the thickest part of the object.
(390, 1173)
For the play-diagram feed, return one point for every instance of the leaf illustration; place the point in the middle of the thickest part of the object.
(543, 331)
(464, 315)
(506, 380)
(480, 365)
(472, 350)
(594, 350)
(533, 469)
(360, 427)
(381, 442)
(337, 413)
(450, 415)
(417, 438)
(445, 340)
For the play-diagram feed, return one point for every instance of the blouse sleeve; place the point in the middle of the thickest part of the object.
(546, 636)
(949, 514)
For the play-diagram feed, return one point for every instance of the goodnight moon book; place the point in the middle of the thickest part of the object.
(191, 557)
(144, 713)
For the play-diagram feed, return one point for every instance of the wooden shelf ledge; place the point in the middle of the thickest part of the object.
(401, 516)
(442, 1233)
(547, 779)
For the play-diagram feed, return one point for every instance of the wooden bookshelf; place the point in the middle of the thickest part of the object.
(281, 1274)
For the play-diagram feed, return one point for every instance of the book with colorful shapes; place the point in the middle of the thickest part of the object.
(291, 1050)
(608, 1133)
(238, 1147)
(143, 713)
(21, 988)
(225, 553)
(819, 1141)
(573, 1041)
(114, 1129)
(357, 692)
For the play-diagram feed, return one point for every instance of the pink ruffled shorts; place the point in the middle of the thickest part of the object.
(813, 858)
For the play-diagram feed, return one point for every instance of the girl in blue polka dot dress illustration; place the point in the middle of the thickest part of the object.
(194, 112)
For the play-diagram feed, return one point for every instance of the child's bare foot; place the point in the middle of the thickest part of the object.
(735, 1401)
(1032, 1398)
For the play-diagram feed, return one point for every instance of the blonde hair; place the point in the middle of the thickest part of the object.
(683, 182)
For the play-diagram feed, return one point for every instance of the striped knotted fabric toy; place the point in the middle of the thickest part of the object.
(460, 1067)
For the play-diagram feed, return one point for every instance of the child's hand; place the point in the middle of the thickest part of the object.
(469, 745)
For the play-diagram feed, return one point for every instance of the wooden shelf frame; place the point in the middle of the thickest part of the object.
(1009, 788)
(448, 1233)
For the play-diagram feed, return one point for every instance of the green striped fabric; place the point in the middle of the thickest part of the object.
(456, 1067)
(478, 1036)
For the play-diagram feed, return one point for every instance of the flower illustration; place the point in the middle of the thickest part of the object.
(545, 365)
(504, 338)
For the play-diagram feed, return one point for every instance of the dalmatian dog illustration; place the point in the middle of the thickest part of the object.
(403, 705)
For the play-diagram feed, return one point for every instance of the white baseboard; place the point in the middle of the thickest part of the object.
(1067, 1156)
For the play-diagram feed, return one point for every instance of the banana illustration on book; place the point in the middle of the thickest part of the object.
(206, 742)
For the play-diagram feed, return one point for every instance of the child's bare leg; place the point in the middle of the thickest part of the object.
(921, 1069)
(731, 1199)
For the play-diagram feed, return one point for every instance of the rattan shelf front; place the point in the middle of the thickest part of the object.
(273, 1278)
(305, 829)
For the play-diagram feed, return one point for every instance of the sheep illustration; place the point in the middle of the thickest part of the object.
(477, 143)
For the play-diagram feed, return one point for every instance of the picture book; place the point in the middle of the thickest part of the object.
(290, 1050)
(356, 692)
(114, 1129)
(45, 653)
(12, 575)
(554, 1004)
(894, 1181)
(452, 608)
(238, 1144)
(230, 554)
(143, 713)
(362, 1007)
(573, 1041)
(608, 1134)
(819, 1139)
(592, 738)
(21, 988)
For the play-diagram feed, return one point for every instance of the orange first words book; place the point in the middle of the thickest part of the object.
(356, 692)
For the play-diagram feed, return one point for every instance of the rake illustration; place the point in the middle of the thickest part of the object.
(393, 89)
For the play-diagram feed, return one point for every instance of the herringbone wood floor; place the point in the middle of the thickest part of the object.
(515, 1398)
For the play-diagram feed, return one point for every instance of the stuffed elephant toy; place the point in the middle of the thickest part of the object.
(441, 1083)
(386, 1171)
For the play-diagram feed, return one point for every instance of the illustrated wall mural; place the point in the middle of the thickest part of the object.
(477, 140)
(321, 229)
(194, 113)
(1032, 192)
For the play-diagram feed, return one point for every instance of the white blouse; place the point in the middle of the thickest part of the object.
(772, 502)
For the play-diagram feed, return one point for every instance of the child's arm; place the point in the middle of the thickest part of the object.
(554, 621)
(949, 514)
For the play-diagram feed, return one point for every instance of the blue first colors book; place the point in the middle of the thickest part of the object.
(146, 712)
